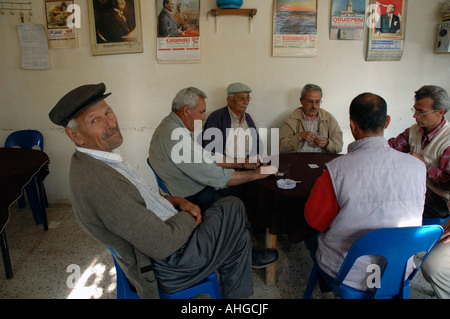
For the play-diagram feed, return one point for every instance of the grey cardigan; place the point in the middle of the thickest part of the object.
(110, 208)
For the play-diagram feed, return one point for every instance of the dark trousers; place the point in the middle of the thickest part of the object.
(221, 242)
(435, 206)
(209, 195)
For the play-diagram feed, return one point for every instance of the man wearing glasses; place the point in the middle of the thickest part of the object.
(429, 141)
(310, 128)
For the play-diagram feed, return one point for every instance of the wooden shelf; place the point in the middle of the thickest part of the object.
(227, 12)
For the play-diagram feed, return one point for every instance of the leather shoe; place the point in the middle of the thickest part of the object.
(262, 258)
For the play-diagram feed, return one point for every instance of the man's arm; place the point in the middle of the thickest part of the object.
(438, 175)
(335, 137)
(322, 206)
(290, 140)
(241, 177)
(401, 142)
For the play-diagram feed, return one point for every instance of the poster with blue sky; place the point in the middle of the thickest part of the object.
(294, 28)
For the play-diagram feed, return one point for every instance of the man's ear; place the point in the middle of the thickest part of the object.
(74, 136)
(352, 126)
(388, 120)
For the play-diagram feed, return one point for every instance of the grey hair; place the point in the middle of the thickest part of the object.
(310, 87)
(188, 96)
(73, 124)
(438, 94)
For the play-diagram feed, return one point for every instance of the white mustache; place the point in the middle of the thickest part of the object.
(110, 132)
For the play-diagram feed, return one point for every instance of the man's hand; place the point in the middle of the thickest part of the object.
(186, 206)
(307, 136)
(190, 208)
(321, 142)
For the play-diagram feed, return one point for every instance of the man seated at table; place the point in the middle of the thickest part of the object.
(310, 128)
(429, 141)
(239, 137)
(371, 187)
(191, 172)
(167, 238)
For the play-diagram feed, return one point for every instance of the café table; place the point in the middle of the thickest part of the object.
(18, 166)
(281, 211)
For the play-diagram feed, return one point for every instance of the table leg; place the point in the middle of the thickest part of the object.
(41, 200)
(271, 270)
(5, 254)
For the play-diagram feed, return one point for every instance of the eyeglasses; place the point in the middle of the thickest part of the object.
(242, 98)
(420, 113)
(313, 102)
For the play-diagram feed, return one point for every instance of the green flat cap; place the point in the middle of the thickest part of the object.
(238, 88)
(76, 101)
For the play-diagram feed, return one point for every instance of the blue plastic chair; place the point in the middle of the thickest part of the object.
(397, 246)
(29, 139)
(435, 221)
(209, 285)
(124, 290)
(162, 187)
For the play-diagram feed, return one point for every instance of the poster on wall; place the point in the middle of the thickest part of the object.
(60, 36)
(387, 25)
(347, 19)
(294, 28)
(178, 31)
(115, 26)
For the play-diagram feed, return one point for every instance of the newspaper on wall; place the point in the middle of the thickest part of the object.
(387, 25)
(294, 28)
(60, 36)
(178, 31)
(347, 19)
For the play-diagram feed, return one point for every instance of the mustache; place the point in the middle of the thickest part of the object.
(110, 132)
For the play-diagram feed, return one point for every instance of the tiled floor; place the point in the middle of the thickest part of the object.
(46, 265)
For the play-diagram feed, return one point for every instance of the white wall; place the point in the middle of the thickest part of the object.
(143, 89)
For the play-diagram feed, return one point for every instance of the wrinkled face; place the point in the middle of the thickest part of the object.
(427, 118)
(196, 114)
(238, 103)
(311, 103)
(98, 128)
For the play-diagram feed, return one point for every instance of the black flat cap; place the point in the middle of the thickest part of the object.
(76, 101)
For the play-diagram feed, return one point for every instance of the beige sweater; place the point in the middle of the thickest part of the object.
(328, 127)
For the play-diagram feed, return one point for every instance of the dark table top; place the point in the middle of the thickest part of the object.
(281, 210)
(17, 168)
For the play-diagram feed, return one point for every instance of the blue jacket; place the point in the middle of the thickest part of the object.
(221, 119)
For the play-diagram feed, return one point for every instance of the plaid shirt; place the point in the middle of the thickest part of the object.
(439, 176)
(313, 126)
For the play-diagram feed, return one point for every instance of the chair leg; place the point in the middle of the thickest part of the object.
(311, 283)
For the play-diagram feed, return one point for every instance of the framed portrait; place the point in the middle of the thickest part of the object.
(387, 25)
(389, 19)
(115, 26)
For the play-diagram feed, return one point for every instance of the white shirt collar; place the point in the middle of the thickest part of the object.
(101, 155)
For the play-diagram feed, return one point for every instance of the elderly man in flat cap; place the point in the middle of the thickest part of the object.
(239, 138)
(191, 172)
(155, 237)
